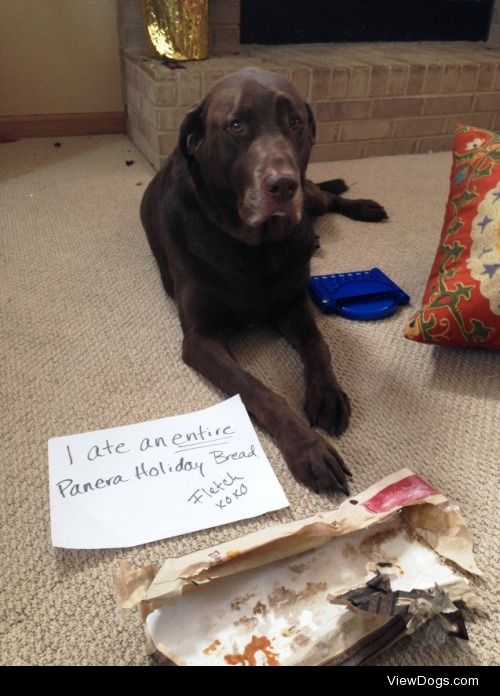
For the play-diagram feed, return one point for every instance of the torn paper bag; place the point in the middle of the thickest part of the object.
(335, 588)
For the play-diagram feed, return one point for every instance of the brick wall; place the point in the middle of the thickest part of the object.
(368, 99)
(395, 109)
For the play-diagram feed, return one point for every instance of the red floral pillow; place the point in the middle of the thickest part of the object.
(461, 303)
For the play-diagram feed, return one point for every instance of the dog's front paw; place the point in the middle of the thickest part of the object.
(367, 211)
(316, 464)
(327, 406)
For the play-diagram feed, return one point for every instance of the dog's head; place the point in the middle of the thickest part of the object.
(248, 144)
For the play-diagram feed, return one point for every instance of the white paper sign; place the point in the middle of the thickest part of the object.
(148, 481)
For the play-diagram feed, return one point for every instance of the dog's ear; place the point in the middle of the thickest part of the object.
(192, 131)
(312, 123)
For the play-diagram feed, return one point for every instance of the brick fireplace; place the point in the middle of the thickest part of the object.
(369, 98)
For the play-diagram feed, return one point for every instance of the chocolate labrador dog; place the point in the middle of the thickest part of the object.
(229, 219)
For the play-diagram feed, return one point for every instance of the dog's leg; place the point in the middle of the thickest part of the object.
(161, 260)
(319, 201)
(310, 458)
(336, 186)
(149, 211)
(326, 403)
(359, 209)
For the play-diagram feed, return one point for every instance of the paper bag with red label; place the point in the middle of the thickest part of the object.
(335, 588)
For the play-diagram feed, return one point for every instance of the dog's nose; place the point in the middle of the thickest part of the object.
(281, 187)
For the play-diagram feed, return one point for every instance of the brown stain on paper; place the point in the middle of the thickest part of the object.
(232, 554)
(374, 540)
(260, 608)
(350, 551)
(248, 622)
(300, 640)
(238, 602)
(247, 657)
(381, 566)
(284, 595)
(312, 588)
(212, 647)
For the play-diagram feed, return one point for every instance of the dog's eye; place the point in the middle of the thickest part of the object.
(236, 126)
(295, 121)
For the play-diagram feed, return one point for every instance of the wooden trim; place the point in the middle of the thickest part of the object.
(53, 125)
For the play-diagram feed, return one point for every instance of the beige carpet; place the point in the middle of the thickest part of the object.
(89, 340)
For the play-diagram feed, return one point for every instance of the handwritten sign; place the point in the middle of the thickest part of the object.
(148, 481)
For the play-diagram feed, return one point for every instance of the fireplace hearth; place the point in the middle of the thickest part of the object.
(369, 98)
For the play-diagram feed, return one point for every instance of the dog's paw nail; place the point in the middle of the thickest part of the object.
(313, 483)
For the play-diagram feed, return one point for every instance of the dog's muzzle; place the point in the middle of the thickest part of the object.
(277, 193)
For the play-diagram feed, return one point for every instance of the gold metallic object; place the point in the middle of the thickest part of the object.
(178, 29)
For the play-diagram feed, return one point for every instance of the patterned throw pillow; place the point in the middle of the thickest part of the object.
(461, 303)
